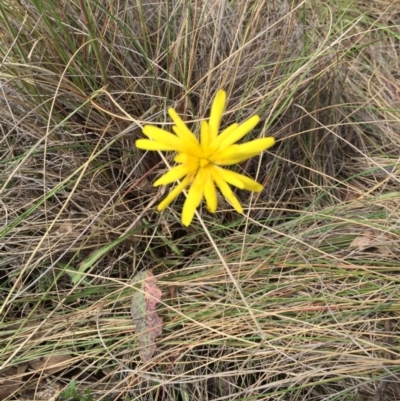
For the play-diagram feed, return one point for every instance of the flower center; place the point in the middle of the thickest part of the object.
(204, 162)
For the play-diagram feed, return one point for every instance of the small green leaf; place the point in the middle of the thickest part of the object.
(99, 253)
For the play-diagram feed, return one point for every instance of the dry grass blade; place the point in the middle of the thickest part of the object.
(296, 300)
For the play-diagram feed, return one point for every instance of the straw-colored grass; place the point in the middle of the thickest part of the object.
(297, 299)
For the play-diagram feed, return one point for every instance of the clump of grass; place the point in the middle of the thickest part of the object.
(298, 298)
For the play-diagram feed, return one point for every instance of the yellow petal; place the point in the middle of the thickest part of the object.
(181, 158)
(250, 184)
(191, 141)
(181, 128)
(147, 144)
(230, 177)
(227, 154)
(236, 159)
(173, 194)
(195, 195)
(237, 153)
(210, 192)
(165, 138)
(229, 138)
(175, 174)
(246, 182)
(256, 146)
(214, 144)
(204, 135)
(217, 109)
(228, 130)
(226, 191)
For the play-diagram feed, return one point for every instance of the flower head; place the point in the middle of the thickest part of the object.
(199, 162)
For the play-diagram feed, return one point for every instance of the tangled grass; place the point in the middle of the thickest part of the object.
(297, 299)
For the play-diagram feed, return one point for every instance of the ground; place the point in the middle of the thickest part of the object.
(295, 299)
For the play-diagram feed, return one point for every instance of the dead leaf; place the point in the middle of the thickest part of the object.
(362, 241)
(65, 228)
(14, 379)
(11, 380)
(51, 364)
(44, 391)
(371, 238)
(144, 184)
(7, 387)
(148, 325)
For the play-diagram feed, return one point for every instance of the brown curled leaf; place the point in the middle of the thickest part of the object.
(148, 325)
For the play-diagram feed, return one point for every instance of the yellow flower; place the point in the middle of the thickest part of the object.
(198, 162)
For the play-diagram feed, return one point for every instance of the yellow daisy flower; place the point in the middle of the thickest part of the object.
(199, 162)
